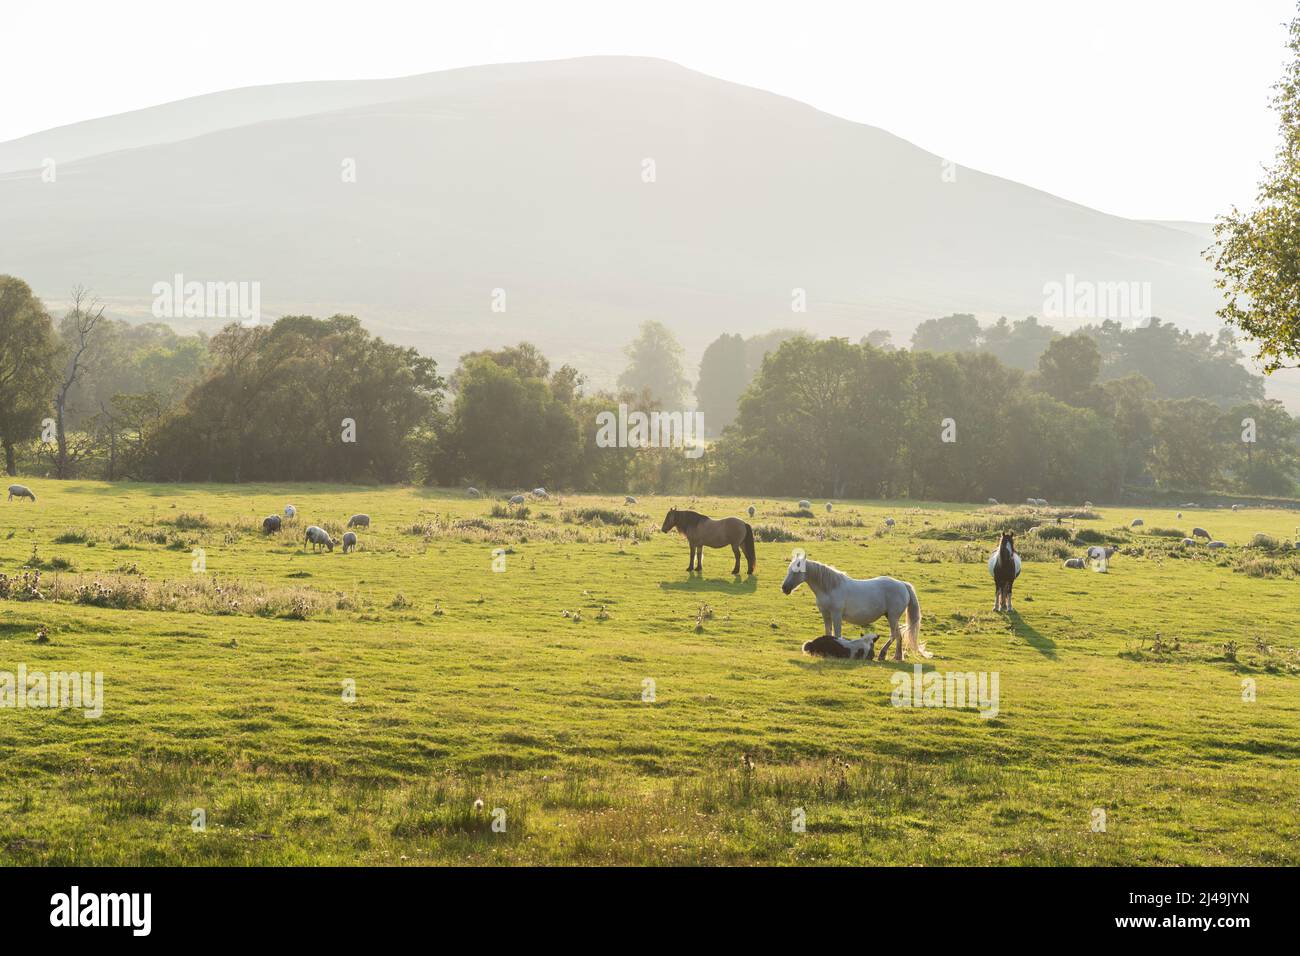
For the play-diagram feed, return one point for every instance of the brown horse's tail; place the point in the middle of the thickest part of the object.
(748, 546)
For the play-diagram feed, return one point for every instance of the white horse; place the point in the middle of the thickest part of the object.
(842, 598)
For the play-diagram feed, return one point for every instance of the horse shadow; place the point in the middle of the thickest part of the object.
(698, 582)
(810, 662)
(1036, 639)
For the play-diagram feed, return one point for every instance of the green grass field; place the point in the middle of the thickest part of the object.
(225, 691)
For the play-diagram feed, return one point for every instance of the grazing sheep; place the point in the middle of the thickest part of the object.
(473, 492)
(1042, 503)
(20, 491)
(1200, 533)
(1188, 542)
(517, 499)
(540, 493)
(751, 510)
(1179, 516)
(629, 500)
(828, 506)
(1190, 504)
(1099, 557)
(359, 521)
(1217, 544)
(889, 523)
(290, 511)
(271, 523)
(1236, 507)
(1031, 501)
(1087, 505)
(993, 501)
(349, 541)
(1077, 564)
(1136, 523)
(317, 536)
(805, 504)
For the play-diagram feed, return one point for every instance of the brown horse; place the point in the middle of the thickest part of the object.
(701, 531)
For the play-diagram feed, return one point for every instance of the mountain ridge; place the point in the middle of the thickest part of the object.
(530, 178)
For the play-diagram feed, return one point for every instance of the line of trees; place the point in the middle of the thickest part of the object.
(322, 399)
(835, 419)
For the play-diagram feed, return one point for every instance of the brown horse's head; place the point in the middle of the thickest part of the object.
(670, 520)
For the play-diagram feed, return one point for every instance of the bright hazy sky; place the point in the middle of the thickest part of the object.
(1143, 108)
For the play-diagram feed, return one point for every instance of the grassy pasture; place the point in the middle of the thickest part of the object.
(224, 690)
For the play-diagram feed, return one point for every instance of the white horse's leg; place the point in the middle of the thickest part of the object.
(827, 621)
(837, 619)
(896, 637)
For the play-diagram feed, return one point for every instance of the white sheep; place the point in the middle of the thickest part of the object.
(1236, 507)
(290, 511)
(629, 500)
(1217, 544)
(540, 493)
(993, 501)
(473, 492)
(1099, 557)
(751, 510)
(805, 504)
(1179, 516)
(517, 499)
(1136, 523)
(359, 521)
(1189, 542)
(349, 541)
(317, 537)
(828, 506)
(1076, 563)
(889, 523)
(1201, 533)
(1087, 505)
(20, 491)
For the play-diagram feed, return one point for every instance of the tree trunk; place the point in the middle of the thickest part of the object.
(11, 464)
(61, 458)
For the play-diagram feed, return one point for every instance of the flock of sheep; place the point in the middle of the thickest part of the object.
(1196, 532)
(317, 536)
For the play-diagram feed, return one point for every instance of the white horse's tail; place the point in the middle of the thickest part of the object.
(912, 632)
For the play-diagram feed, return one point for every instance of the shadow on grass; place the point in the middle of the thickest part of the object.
(697, 582)
(1044, 645)
(810, 663)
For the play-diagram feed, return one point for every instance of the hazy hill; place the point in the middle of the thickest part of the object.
(529, 177)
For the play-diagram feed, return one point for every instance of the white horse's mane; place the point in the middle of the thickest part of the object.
(824, 576)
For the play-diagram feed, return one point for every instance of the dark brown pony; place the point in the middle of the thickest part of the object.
(702, 531)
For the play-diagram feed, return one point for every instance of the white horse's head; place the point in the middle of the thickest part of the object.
(797, 573)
